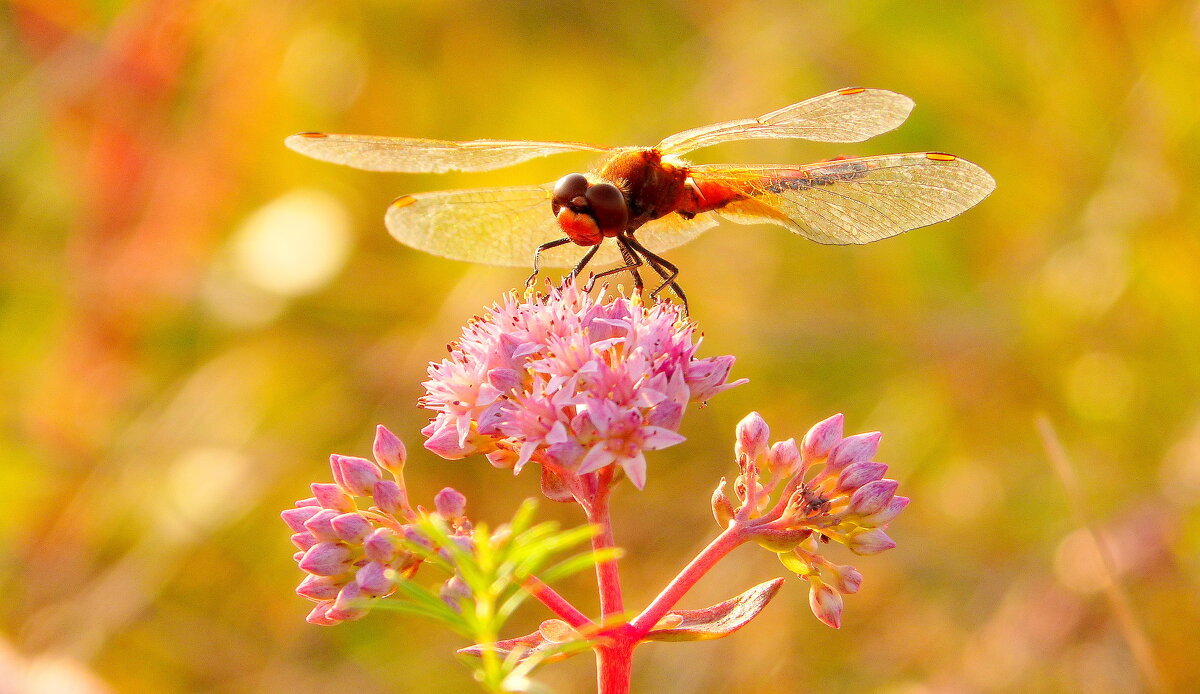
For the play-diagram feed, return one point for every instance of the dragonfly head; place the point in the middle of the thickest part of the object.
(589, 212)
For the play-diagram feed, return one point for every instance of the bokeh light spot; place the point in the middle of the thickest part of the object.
(294, 244)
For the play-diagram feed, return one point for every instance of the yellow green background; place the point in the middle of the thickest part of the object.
(193, 317)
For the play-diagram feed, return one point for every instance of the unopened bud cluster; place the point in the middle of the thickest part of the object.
(793, 499)
(570, 382)
(352, 555)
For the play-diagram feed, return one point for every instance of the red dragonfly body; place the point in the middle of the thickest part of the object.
(648, 199)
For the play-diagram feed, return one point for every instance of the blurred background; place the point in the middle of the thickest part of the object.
(193, 317)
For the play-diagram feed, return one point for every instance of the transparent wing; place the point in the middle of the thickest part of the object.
(673, 230)
(416, 155)
(853, 114)
(495, 226)
(851, 200)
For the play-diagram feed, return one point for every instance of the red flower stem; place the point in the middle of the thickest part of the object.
(733, 536)
(557, 603)
(614, 662)
(608, 576)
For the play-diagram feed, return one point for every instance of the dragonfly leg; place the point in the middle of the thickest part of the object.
(632, 262)
(587, 258)
(667, 270)
(537, 257)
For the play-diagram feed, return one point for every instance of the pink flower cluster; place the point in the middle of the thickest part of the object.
(794, 499)
(570, 382)
(354, 555)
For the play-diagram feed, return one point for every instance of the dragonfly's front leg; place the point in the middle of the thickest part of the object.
(587, 258)
(537, 257)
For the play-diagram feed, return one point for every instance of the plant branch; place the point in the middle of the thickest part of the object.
(557, 603)
(730, 538)
(608, 575)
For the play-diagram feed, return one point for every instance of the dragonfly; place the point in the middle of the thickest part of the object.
(649, 200)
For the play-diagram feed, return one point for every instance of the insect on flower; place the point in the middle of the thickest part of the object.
(648, 199)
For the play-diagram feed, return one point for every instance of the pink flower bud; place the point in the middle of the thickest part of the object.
(722, 507)
(321, 525)
(391, 498)
(304, 540)
(826, 603)
(667, 415)
(505, 380)
(356, 475)
(332, 497)
(351, 527)
(872, 541)
(859, 448)
(443, 442)
(567, 454)
(846, 579)
(320, 615)
(784, 457)
(295, 517)
(858, 474)
(872, 497)
(893, 509)
(455, 591)
(372, 580)
(752, 437)
(327, 559)
(381, 545)
(821, 439)
(502, 458)
(348, 604)
(450, 503)
(389, 450)
(319, 587)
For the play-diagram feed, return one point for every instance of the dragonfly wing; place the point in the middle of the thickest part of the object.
(673, 230)
(852, 200)
(416, 155)
(495, 226)
(846, 115)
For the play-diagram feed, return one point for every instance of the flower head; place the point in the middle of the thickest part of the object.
(794, 499)
(572, 383)
(352, 555)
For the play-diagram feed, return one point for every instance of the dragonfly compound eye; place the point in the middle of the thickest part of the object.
(608, 208)
(567, 189)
